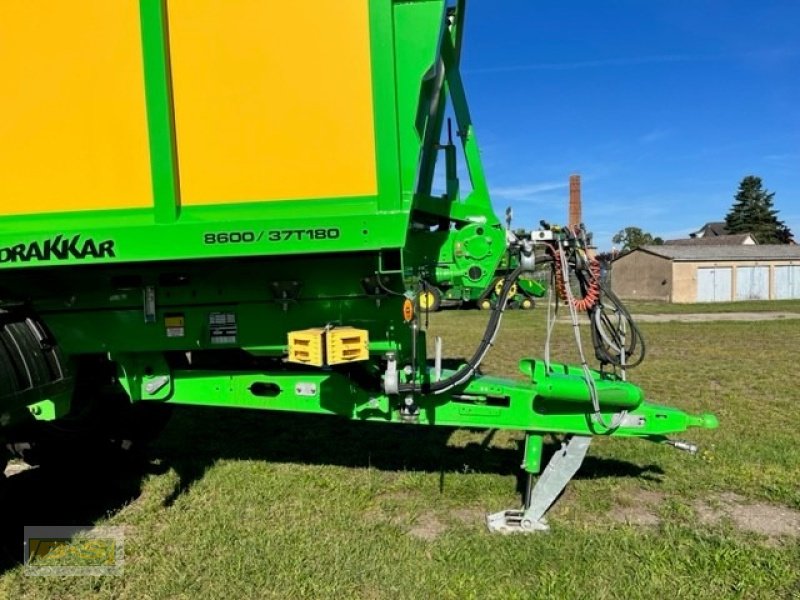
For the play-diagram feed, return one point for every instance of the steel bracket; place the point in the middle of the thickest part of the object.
(558, 473)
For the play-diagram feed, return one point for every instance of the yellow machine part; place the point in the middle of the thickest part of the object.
(273, 100)
(498, 288)
(307, 347)
(73, 132)
(320, 346)
(347, 344)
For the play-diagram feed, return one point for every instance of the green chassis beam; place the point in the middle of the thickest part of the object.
(485, 402)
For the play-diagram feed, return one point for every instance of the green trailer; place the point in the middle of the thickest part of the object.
(229, 204)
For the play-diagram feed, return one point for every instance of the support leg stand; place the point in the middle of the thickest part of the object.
(558, 473)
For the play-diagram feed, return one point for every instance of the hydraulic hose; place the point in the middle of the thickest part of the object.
(610, 342)
(472, 365)
(617, 343)
(587, 375)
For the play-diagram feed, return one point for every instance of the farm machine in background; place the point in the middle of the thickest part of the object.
(230, 205)
(455, 280)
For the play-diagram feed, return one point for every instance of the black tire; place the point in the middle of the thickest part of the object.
(30, 361)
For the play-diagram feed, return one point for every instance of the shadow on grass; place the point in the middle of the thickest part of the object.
(197, 437)
(78, 490)
(83, 489)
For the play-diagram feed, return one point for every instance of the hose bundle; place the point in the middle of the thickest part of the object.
(616, 338)
(472, 365)
(590, 285)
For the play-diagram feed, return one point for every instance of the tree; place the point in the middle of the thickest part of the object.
(631, 238)
(753, 212)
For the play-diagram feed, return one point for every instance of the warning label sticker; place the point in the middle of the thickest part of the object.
(222, 327)
(175, 325)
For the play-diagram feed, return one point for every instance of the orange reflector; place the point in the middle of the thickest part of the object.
(408, 310)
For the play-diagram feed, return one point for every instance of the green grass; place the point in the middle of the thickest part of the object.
(248, 504)
(653, 307)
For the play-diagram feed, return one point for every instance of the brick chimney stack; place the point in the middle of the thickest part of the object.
(575, 217)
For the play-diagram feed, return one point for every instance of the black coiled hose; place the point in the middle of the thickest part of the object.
(609, 318)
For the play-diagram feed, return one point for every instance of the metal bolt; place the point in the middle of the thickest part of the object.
(685, 446)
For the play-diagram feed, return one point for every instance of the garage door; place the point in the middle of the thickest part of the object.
(714, 284)
(787, 282)
(752, 283)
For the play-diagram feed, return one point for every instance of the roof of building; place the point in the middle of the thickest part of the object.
(711, 229)
(714, 240)
(700, 253)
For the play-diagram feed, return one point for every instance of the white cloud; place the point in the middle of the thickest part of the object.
(526, 191)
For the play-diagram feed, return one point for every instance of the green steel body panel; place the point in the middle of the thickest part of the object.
(100, 308)
(417, 37)
(160, 115)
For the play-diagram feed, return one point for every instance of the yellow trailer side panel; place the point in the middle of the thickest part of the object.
(73, 132)
(273, 99)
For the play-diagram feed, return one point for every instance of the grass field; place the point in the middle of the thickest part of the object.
(645, 307)
(246, 504)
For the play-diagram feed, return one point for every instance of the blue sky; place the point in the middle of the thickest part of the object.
(662, 107)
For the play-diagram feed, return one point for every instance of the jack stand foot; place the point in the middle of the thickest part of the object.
(514, 521)
(558, 473)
